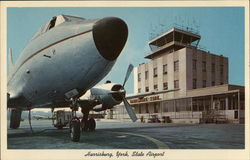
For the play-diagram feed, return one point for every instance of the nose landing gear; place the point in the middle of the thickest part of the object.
(75, 130)
(77, 125)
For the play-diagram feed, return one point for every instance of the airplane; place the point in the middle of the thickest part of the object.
(63, 61)
(39, 117)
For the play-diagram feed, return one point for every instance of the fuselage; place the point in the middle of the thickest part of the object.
(67, 56)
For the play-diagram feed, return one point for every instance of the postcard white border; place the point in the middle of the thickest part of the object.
(172, 154)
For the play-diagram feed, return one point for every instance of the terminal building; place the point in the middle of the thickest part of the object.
(188, 85)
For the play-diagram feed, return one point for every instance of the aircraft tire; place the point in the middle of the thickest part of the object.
(84, 125)
(92, 124)
(15, 118)
(75, 130)
(59, 127)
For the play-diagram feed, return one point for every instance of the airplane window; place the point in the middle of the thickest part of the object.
(56, 21)
(52, 23)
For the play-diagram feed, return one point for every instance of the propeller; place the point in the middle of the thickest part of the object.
(128, 107)
(129, 70)
(130, 110)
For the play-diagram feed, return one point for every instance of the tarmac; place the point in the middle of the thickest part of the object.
(111, 134)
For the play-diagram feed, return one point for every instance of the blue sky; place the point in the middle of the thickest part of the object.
(221, 30)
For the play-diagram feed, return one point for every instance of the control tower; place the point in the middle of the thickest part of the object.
(185, 83)
(171, 41)
(178, 64)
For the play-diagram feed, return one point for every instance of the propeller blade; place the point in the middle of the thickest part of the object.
(129, 109)
(129, 70)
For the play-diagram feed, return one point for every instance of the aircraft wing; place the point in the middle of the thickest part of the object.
(62, 104)
(22, 103)
(149, 93)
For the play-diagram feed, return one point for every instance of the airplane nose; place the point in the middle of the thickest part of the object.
(110, 35)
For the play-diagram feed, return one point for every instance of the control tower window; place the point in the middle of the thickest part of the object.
(155, 72)
(165, 69)
(176, 65)
(194, 83)
(139, 77)
(204, 66)
(176, 84)
(146, 74)
(165, 86)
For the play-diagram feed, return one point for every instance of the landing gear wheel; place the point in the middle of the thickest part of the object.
(75, 130)
(15, 118)
(92, 124)
(84, 125)
(59, 127)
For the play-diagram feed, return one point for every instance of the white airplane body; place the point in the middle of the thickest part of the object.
(61, 59)
(64, 59)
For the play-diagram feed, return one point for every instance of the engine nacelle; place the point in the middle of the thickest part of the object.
(101, 108)
(108, 95)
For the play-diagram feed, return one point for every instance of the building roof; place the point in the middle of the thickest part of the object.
(167, 33)
(208, 91)
(171, 40)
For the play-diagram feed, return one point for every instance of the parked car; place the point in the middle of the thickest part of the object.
(153, 119)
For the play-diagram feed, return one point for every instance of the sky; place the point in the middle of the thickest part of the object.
(221, 30)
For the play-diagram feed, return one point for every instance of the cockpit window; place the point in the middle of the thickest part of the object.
(52, 23)
(55, 21)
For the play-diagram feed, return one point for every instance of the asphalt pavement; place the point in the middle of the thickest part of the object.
(112, 134)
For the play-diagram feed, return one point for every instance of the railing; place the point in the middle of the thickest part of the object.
(214, 116)
(177, 26)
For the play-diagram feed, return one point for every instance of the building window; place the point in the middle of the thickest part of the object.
(194, 83)
(204, 83)
(147, 111)
(155, 72)
(146, 74)
(168, 106)
(194, 64)
(213, 83)
(236, 114)
(204, 66)
(176, 84)
(139, 77)
(165, 86)
(221, 79)
(176, 65)
(221, 69)
(139, 109)
(146, 89)
(155, 108)
(155, 87)
(139, 90)
(213, 67)
(165, 69)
